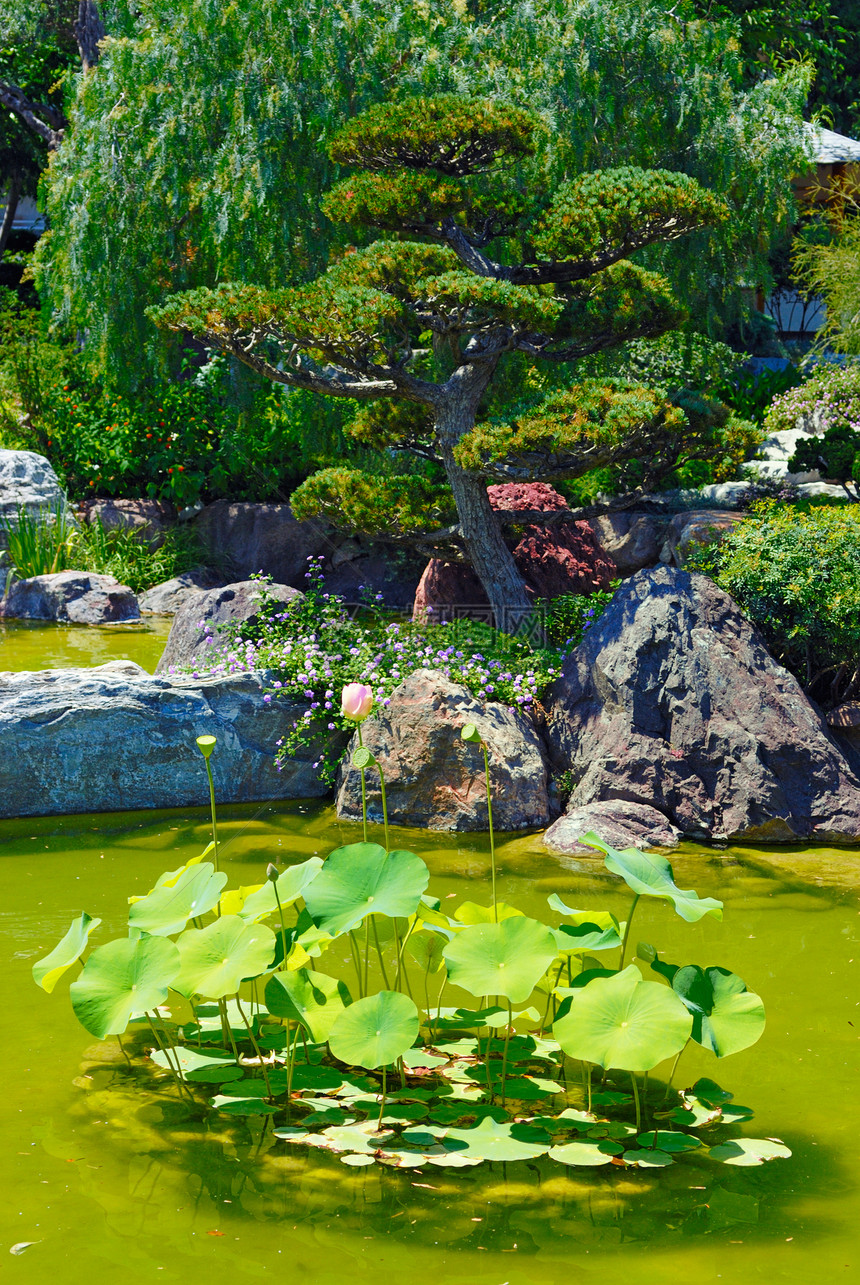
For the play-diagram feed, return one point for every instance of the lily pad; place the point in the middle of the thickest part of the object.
(648, 1159)
(217, 958)
(491, 1140)
(665, 1140)
(291, 885)
(375, 1031)
(313, 999)
(749, 1152)
(124, 977)
(586, 1154)
(167, 909)
(651, 876)
(471, 913)
(191, 1060)
(508, 958)
(726, 1016)
(48, 971)
(363, 879)
(623, 1022)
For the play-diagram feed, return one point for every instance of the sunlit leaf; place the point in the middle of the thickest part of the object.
(726, 1016)
(48, 971)
(491, 1140)
(748, 1152)
(291, 885)
(375, 1031)
(586, 1154)
(167, 909)
(623, 1022)
(651, 876)
(471, 913)
(216, 959)
(122, 978)
(313, 999)
(508, 958)
(363, 879)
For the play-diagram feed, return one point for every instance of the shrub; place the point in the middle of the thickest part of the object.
(830, 396)
(796, 574)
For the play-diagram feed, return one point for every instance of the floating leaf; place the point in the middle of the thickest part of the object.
(216, 959)
(191, 1061)
(491, 1140)
(623, 1022)
(357, 1159)
(708, 1093)
(122, 978)
(313, 999)
(508, 958)
(651, 876)
(168, 908)
(48, 971)
(728, 1208)
(290, 885)
(375, 1031)
(748, 1152)
(580, 1152)
(664, 1140)
(726, 1016)
(648, 1159)
(363, 879)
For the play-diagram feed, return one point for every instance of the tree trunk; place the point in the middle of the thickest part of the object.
(482, 533)
(89, 30)
(12, 195)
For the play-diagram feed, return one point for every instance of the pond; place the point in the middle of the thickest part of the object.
(106, 1178)
(37, 644)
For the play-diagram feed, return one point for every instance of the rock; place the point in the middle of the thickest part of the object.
(693, 529)
(27, 481)
(250, 538)
(75, 597)
(728, 494)
(151, 519)
(392, 574)
(116, 738)
(672, 701)
(448, 589)
(565, 559)
(194, 632)
(829, 489)
(844, 723)
(524, 497)
(166, 598)
(618, 822)
(631, 540)
(436, 780)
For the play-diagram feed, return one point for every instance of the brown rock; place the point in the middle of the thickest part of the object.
(687, 531)
(148, 518)
(77, 597)
(436, 780)
(567, 559)
(618, 822)
(632, 540)
(672, 701)
(448, 589)
(193, 635)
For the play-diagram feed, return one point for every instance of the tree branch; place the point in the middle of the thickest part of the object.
(41, 118)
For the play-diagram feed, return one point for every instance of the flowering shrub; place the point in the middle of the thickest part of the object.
(313, 647)
(830, 396)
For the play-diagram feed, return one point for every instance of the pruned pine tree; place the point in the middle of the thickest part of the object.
(485, 270)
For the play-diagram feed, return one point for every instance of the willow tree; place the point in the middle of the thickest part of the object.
(499, 271)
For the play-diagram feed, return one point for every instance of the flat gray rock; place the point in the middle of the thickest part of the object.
(166, 598)
(433, 778)
(115, 738)
(673, 701)
(72, 597)
(618, 822)
(194, 634)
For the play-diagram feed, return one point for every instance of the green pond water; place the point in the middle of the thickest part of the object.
(113, 1180)
(34, 644)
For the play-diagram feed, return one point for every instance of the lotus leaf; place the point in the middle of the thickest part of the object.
(573, 939)
(623, 1022)
(747, 1152)
(580, 1153)
(48, 971)
(216, 959)
(122, 978)
(471, 913)
(651, 876)
(664, 1140)
(726, 1016)
(508, 958)
(313, 999)
(648, 1159)
(171, 877)
(375, 1031)
(167, 909)
(290, 886)
(191, 1061)
(491, 1140)
(363, 879)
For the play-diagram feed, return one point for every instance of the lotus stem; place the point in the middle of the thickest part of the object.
(382, 1102)
(356, 959)
(226, 1029)
(283, 924)
(505, 1051)
(674, 1069)
(255, 1047)
(384, 804)
(363, 791)
(492, 837)
(176, 1071)
(401, 946)
(636, 1101)
(588, 1103)
(379, 953)
(366, 951)
(122, 1050)
(627, 931)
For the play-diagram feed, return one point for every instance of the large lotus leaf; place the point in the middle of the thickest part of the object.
(217, 958)
(48, 971)
(508, 958)
(574, 939)
(726, 1016)
(375, 1031)
(363, 879)
(747, 1152)
(490, 1140)
(471, 913)
(427, 948)
(122, 978)
(623, 1022)
(603, 918)
(314, 999)
(170, 877)
(290, 886)
(167, 909)
(651, 876)
(586, 1154)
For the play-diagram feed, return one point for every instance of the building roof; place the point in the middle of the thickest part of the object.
(829, 148)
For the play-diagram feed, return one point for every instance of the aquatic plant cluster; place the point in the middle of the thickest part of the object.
(316, 644)
(549, 1055)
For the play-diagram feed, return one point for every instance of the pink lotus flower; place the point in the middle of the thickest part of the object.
(356, 702)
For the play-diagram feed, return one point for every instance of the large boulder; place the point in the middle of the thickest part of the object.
(448, 589)
(249, 538)
(436, 780)
(29, 483)
(692, 530)
(166, 598)
(618, 822)
(194, 634)
(73, 597)
(632, 540)
(150, 519)
(117, 738)
(672, 701)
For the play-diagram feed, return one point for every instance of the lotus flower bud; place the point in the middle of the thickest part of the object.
(272, 873)
(356, 702)
(206, 745)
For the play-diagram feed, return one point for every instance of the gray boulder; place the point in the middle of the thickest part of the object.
(116, 738)
(27, 481)
(194, 633)
(618, 822)
(433, 778)
(166, 598)
(73, 597)
(632, 540)
(150, 519)
(672, 701)
(250, 538)
(693, 529)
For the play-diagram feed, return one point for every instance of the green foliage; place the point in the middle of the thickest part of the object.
(831, 268)
(796, 575)
(41, 545)
(573, 613)
(678, 360)
(836, 453)
(486, 1082)
(357, 501)
(752, 393)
